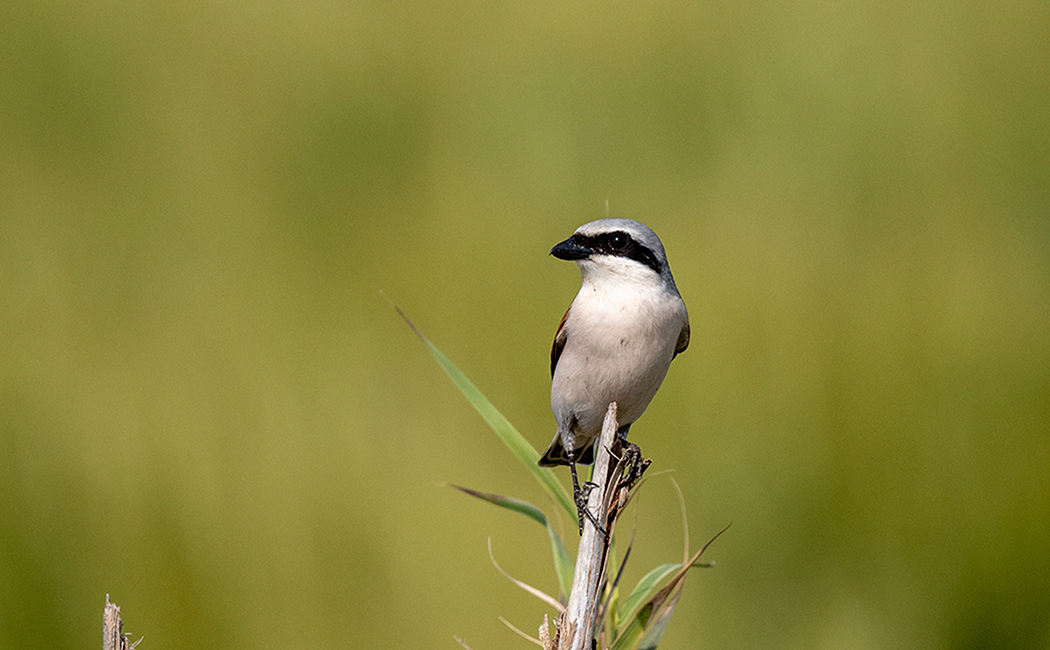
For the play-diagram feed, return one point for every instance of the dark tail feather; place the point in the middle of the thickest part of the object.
(555, 455)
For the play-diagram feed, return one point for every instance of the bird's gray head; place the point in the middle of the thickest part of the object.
(617, 244)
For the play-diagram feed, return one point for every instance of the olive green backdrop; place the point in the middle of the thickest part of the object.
(209, 410)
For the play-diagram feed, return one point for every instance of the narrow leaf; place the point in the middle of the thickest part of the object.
(513, 440)
(663, 603)
(630, 635)
(658, 622)
(510, 503)
(645, 588)
(563, 563)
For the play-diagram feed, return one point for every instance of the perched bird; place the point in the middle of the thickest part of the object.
(617, 338)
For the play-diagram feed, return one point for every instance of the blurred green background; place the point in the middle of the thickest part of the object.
(209, 411)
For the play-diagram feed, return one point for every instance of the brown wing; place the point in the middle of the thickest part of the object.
(559, 342)
(683, 341)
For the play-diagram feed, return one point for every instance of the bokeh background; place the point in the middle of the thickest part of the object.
(210, 411)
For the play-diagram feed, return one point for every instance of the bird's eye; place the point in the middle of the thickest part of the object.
(618, 241)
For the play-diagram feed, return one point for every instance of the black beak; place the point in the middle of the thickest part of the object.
(571, 250)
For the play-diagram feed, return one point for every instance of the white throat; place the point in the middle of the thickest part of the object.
(608, 274)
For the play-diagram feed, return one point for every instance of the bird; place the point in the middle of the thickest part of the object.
(616, 341)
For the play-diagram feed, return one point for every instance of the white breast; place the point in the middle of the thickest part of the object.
(621, 335)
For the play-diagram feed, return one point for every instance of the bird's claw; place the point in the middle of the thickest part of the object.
(580, 496)
(634, 462)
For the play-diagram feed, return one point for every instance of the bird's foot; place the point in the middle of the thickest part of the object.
(634, 462)
(580, 495)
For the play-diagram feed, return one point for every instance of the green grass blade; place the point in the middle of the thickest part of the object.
(647, 626)
(510, 503)
(632, 633)
(513, 440)
(645, 587)
(660, 619)
(563, 563)
(654, 617)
